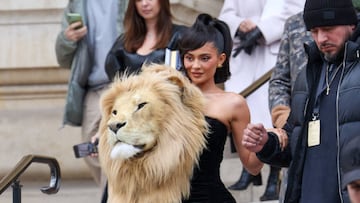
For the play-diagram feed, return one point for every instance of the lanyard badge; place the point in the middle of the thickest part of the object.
(314, 131)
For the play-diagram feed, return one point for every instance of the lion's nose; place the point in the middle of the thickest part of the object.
(116, 126)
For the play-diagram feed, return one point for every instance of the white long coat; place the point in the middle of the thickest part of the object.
(269, 16)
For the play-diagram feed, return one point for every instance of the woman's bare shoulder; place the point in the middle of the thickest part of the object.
(234, 98)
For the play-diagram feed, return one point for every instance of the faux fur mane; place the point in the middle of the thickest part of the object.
(161, 116)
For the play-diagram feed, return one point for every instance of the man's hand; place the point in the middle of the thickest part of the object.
(282, 136)
(73, 33)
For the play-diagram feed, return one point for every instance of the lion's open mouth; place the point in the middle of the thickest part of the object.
(123, 150)
(140, 146)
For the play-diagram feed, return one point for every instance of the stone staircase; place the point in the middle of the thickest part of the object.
(85, 190)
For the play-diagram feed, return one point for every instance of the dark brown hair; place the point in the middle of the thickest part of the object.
(208, 29)
(135, 27)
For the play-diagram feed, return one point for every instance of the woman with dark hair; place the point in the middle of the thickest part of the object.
(204, 50)
(148, 32)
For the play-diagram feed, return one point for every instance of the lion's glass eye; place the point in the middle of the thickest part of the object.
(114, 112)
(141, 105)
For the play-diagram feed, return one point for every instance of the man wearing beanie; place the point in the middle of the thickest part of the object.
(325, 109)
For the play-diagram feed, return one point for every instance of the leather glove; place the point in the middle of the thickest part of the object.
(248, 42)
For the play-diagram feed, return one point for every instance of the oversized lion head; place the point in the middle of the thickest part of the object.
(152, 132)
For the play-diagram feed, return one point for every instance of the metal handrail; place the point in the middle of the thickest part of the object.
(24, 163)
(249, 90)
(257, 84)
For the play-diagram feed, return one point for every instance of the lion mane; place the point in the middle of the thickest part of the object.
(152, 133)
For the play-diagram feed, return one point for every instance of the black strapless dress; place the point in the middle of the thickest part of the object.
(206, 185)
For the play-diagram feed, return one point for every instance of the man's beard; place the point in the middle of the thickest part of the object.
(338, 56)
(332, 58)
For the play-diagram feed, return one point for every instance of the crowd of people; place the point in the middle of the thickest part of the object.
(308, 125)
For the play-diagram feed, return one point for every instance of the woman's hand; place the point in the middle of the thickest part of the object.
(95, 141)
(73, 33)
(255, 137)
(247, 25)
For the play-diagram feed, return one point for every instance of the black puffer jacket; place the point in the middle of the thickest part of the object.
(302, 102)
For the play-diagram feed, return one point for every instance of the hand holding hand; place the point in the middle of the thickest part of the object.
(254, 138)
(282, 136)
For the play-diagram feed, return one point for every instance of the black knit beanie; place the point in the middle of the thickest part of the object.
(319, 13)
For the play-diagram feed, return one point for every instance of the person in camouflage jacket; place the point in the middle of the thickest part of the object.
(291, 59)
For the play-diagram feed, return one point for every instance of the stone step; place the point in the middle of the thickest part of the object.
(71, 191)
(85, 190)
